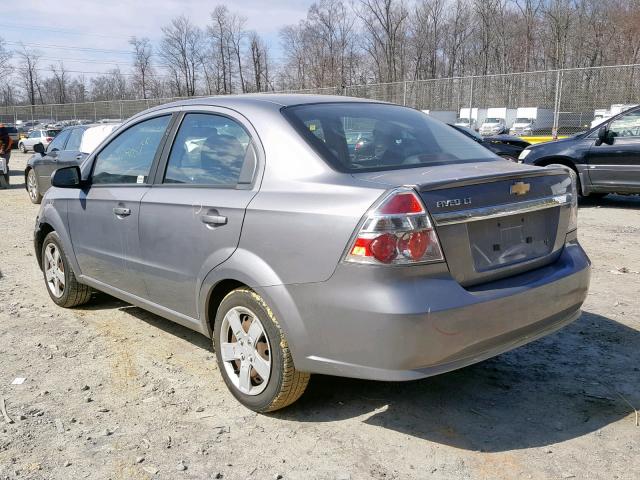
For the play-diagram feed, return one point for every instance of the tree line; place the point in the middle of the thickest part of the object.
(342, 43)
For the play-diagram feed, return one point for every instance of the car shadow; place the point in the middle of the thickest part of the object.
(560, 387)
(611, 201)
(102, 301)
(16, 180)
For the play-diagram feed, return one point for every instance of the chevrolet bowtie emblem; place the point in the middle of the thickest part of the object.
(520, 188)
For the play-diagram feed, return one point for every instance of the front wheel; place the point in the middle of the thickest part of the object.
(32, 187)
(253, 354)
(62, 285)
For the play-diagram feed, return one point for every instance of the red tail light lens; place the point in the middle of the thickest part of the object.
(397, 231)
(49, 139)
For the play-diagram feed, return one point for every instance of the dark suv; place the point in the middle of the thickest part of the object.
(606, 158)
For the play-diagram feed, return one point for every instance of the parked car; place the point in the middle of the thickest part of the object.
(43, 136)
(606, 157)
(70, 147)
(505, 146)
(249, 220)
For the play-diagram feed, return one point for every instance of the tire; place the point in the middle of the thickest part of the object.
(22, 148)
(68, 293)
(284, 384)
(4, 180)
(32, 187)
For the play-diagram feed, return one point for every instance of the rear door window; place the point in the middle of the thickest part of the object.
(360, 136)
(208, 150)
(75, 139)
(128, 157)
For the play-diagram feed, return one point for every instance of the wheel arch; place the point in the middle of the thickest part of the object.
(38, 239)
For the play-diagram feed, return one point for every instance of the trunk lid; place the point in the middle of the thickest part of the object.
(493, 219)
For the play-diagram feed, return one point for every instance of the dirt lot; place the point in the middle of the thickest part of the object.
(113, 392)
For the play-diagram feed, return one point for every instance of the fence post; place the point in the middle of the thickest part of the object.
(95, 112)
(120, 109)
(75, 116)
(556, 107)
(404, 94)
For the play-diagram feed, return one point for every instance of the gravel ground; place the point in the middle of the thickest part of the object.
(114, 392)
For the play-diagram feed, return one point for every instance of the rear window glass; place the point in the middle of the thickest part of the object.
(52, 133)
(355, 137)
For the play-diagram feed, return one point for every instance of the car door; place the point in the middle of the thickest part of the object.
(71, 154)
(190, 221)
(103, 220)
(48, 163)
(618, 164)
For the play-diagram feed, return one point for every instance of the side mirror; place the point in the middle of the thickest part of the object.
(39, 148)
(604, 136)
(67, 177)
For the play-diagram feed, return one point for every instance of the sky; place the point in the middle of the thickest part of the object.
(92, 36)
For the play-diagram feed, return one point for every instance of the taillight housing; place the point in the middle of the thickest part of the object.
(49, 139)
(397, 230)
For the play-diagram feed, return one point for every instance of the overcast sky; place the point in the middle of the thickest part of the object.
(83, 26)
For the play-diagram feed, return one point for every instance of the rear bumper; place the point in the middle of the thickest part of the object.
(408, 323)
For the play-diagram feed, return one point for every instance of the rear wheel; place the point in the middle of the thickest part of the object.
(62, 285)
(253, 354)
(32, 187)
(22, 148)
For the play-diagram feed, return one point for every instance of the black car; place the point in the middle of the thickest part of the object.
(506, 146)
(606, 158)
(70, 147)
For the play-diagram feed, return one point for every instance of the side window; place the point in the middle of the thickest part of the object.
(626, 126)
(58, 142)
(35, 134)
(128, 157)
(208, 150)
(74, 139)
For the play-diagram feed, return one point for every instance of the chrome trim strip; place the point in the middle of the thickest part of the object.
(497, 211)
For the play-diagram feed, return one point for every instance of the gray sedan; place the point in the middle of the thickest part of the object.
(255, 222)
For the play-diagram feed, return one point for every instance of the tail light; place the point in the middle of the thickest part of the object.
(49, 139)
(396, 231)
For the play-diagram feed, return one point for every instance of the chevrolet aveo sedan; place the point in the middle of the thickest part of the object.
(253, 221)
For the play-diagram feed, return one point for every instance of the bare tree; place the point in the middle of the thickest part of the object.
(142, 53)
(181, 48)
(28, 61)
(5, 57)
(385, 34)
(60, 82)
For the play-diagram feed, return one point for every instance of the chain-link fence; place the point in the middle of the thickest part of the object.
(570, 98)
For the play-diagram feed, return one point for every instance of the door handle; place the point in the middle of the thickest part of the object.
(79, 157)
(122, 211)
(214, 219)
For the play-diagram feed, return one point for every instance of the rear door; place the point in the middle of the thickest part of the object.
(190, 221)
(618, 165)
(103, 220)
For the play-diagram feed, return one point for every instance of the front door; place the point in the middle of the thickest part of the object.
(46, 165)
(618, 165)
(190, 220)
(103, 220)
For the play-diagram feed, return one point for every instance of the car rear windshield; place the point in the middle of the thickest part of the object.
(52, 133)
(356, 137)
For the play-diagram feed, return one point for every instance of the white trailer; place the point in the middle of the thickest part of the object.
(446, 116)
(531, 120)
(471, 117)
(602, 115)
(499, 120)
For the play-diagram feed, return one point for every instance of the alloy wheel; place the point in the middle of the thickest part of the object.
(54, 270)
(32, 185)
(245, 351)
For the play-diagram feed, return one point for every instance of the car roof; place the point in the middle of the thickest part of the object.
(277, 100)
